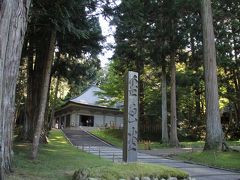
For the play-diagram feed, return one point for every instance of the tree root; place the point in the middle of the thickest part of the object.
(226, 148)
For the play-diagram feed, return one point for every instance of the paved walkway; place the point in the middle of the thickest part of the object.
(91, 144)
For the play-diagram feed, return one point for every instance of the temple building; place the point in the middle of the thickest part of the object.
(85, 110)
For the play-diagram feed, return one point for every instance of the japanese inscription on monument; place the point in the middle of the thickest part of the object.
(130, 117)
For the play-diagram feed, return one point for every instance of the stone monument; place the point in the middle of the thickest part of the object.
(130, 128)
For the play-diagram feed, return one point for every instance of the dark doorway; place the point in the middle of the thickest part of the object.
(86, 120)
(68, 120)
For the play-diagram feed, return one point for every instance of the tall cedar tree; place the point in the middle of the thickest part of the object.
(13, 23)
(214, 139)
(54, 24)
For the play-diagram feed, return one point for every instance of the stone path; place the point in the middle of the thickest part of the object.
(82, 138)
(91, 144)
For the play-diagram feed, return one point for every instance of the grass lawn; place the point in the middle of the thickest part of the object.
(229, 160)
(58, 160)
(114, 136)
(129, 171)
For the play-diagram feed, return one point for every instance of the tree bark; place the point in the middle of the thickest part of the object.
(36, 74)
(29, 122)
(173, 132)
(214, 134)
(44, 95)
(237, 100)
(236, 77)
(52, 122)
(13, 23)
(165, 138)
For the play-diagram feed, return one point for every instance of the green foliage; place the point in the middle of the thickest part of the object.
(152, 91)
(67, 16)
(190, 112)
(77, 72)
(150, 31)
(112, 86)
(78, 40)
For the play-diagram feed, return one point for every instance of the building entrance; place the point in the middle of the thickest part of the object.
(86, 120)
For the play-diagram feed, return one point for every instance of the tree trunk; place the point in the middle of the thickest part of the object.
(214, 138)
(165, 138)
(197, 103)
(237, 100)
(29, 122)
(13, 23)
(197, 91)
(52, 122)
(140, 69)
(36, 75)
(44, 95)
(236, 76)
(40, 66)
(173, 132)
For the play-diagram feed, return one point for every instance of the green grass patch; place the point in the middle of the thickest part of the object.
(195, 144)
(115, 136)
(229, 160)
(58, 160)
(234, 143)
(129, 171)
(158, 145)
(200, 144)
